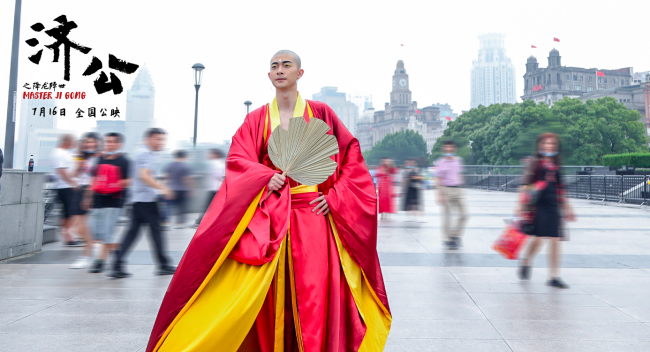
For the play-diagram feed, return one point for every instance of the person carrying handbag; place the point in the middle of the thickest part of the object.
(543, 207)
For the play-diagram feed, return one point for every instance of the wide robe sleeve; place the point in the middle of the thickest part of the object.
(352, 199)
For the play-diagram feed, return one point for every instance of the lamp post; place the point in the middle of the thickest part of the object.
(198, 77)
(248, 106)
(12, 97)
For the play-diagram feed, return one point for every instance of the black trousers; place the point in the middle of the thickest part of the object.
(143, 213)
(179, 203)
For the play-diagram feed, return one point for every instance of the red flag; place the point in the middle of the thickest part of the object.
(601, 74)
(417, 111)
(402, 44)
(556, 40)
(448, 118)
(532, 46)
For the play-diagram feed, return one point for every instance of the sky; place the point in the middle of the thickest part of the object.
(352, 45)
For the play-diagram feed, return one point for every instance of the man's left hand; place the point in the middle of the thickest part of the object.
(322, 205)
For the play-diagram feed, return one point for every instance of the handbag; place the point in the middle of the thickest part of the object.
(510, 242)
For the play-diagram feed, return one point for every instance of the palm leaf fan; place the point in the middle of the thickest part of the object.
(303, 151)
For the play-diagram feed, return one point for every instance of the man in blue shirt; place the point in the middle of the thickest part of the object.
(145, 207)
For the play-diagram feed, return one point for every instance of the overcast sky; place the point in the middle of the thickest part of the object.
(353, 45)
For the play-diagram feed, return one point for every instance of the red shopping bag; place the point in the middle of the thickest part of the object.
(510, 242)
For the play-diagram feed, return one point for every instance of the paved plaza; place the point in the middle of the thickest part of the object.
(465, 300)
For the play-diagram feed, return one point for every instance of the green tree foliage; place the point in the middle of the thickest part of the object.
(641, 160)
(398, 146)
(503, 134)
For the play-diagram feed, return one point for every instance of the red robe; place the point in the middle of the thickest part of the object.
(320, 282)
(385, 183)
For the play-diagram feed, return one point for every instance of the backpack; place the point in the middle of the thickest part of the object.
(107, 179)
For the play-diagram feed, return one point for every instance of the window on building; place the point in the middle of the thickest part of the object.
(578, 88)
(600, 80)
(605, 79)
(590, 89)
(591, 79)
(568, 87)
(581, 78)
(613, 80)
(568, 77)
(549, 78)
(575, 77)
(559, 81)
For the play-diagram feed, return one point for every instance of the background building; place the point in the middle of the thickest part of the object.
(106, 126)
(27, 142)
(139, 110)
(346, 110)
(493, 74)
(364, 129)
(555, 82)
(634, 97)
(402, 113)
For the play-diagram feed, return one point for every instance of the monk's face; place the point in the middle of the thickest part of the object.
(284, 72)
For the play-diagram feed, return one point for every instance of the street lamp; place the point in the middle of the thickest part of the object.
(198, 77)
(248, 106)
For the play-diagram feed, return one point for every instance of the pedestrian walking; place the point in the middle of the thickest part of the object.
(110, 179)
(179, 177)
(450, 195)
(64, 184)
(216, 175)
(385, 175)
(85, 160)
(145, 207)
(549, 207)
(412, 185)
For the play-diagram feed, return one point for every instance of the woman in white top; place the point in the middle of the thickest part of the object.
(85, 160)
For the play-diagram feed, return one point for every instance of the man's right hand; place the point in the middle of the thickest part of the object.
(168, 194)
(276, 182)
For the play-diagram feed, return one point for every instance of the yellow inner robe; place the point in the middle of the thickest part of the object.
(223, 309)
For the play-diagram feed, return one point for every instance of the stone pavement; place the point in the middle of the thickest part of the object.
(462, 300)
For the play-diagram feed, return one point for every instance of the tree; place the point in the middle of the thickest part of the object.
(398, 146)
(503, 134)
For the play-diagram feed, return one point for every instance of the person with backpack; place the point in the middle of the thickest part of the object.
(110, 178)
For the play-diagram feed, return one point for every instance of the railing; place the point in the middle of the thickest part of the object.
(620, 188)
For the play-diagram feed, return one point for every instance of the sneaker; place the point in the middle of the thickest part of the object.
(556, 282)
(118, 274)
(81, 263)
(451, 245)
(165, 227)
(97, 266)
(524, 272)
(166, 270)
(458, 241)
(74, 244)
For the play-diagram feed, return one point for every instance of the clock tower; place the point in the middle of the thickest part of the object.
(401, 95)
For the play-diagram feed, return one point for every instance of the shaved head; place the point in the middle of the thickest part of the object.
(289, 52)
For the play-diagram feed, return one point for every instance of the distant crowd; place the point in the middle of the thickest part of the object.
(94, 180)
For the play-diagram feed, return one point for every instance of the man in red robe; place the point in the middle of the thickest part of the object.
(297, 271)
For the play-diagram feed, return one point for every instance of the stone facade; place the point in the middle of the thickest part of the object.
(21, 212)
(397, 114)
(555, 82)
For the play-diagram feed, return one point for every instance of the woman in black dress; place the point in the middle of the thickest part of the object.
(412, 186)
(550, 207)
